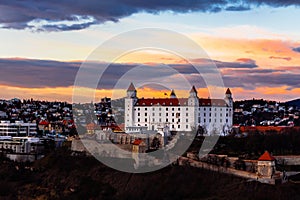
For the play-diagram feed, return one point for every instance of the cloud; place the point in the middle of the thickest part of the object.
(281, 58)
(240, 63)
(238, 8)
(296, 49)
(29, 73)
(69, 15)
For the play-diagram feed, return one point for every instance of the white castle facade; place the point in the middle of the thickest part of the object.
(178, 114)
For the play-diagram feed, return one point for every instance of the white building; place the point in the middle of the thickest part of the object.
(178, 114)
(17, 128)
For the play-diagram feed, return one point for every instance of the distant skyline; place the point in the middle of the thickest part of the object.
(255, 45)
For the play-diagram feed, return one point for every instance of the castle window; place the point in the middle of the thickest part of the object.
(167, 114)
(139, 114)
(178, 126)
(167, 109)
(187, 120)
(146, 114)
(138, 109)
(172, 109)
(187, 114)
(145, 119)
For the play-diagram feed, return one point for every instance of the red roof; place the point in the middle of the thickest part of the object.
(179, 102)
(266, 157)
(228, 91)
(212, 102)
(137, 142)
(131, 87)
(162, 102)
(92, 126)
(44, 122)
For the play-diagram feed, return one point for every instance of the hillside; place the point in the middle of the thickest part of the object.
(61, 176)
(295, 102)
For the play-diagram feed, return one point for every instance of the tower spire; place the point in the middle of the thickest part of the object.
(173, 95)
(131, 87)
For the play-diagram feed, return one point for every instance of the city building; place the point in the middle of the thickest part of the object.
(178, 114)
(18, 128)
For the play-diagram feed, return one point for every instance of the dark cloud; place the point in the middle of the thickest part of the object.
(74, 15)
(296, 49)
(281, 58)
(258, 80)
(240, 63)
(37, 73)
(46, 73)
(238, 8)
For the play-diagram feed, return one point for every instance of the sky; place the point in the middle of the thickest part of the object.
(255, 46)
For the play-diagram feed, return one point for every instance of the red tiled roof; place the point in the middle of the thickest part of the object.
(266, 157)
(137, 142)
(131, 87)
(228, 91)
(179, 102)
(212, 102)
(162, 102)
(92, 126)
(44, 122)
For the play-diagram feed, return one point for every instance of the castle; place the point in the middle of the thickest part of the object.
(178, 114)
